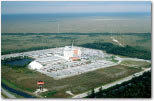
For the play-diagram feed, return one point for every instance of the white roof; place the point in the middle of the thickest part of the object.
(35, 65)
(67, 48)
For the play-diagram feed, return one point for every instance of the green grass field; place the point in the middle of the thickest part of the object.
(131, 63)
(25, 79)
(57, 88)
(24, 42)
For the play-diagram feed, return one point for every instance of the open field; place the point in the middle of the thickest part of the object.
(15, 42)
(26, 79)
(130, 63)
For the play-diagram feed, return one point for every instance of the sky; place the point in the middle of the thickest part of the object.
(32, 7)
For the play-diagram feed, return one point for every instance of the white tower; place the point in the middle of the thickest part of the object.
(72, 44)
(72, 53)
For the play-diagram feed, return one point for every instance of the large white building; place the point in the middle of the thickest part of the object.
(72, 53)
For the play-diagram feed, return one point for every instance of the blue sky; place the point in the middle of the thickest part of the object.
(31, 7)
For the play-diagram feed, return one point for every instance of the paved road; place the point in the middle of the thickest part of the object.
(111, 84)
(7, 93)
(114, 40)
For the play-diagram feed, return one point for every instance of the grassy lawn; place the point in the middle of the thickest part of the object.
(57, 88)
(143, 64)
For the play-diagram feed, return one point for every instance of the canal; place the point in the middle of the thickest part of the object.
(16, 92)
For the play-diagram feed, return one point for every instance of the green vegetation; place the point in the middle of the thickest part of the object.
(49, 94)
(118, 50)
(15, 58)
(4, 95)
(13, 84)
(138, 87)
(21, 42)
(113, 59)
(10, 84)
(27, 79)
(16, 66)
(131, 63)
(24, 50)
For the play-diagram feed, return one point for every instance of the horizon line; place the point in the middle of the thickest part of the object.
(70, 13)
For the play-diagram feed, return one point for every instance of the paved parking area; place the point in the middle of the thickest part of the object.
(54, 65)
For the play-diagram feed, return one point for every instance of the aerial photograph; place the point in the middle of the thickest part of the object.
(76, 49)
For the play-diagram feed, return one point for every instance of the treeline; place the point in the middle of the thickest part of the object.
(91, 34)
(138, 87)
(15, 58)
(25, 50)
(108, 47)
(6, 60)
(64, 38)
(118, 50)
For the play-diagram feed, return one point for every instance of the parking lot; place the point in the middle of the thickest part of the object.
(54, 65)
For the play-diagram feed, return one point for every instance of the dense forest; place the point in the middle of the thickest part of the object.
(138, 87)
(109, 34)
(118, 50)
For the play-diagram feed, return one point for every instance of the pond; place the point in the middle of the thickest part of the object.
(20, 62)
